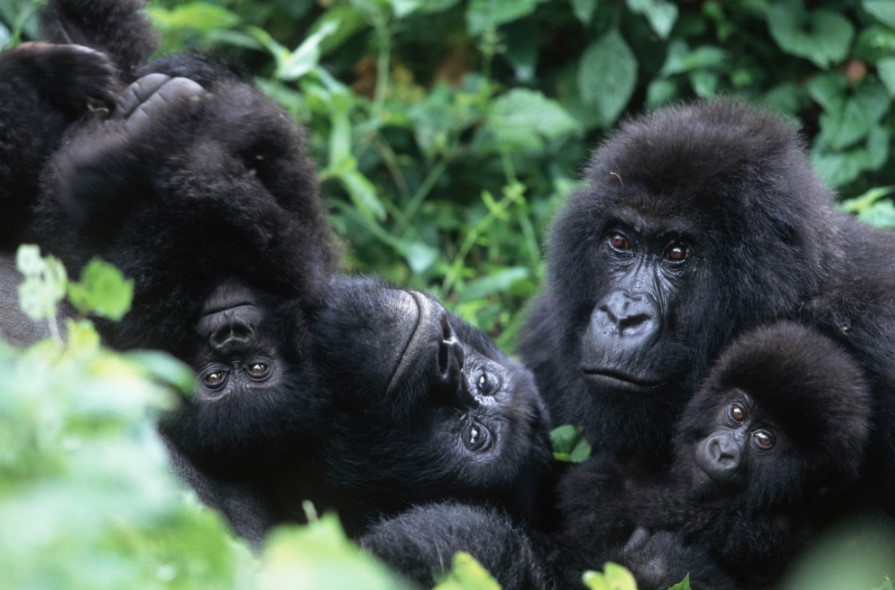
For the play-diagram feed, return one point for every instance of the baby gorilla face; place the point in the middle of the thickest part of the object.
(425, 406)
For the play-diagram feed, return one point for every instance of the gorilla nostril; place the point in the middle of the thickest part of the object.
(233, 337)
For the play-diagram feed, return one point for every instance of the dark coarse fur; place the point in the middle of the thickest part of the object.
(421, 544)
(733, 183)
(808, 391)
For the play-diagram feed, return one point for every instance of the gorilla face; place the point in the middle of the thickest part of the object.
(425, 406)
(697, 222)
(254, 396)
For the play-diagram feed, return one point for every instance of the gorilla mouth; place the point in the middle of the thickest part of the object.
(422, 308)
(618, 379)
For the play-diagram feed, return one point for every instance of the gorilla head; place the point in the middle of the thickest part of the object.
(782, 419)
(425, 407)
(697, 222)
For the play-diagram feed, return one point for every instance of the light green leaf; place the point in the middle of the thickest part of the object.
(482, 15)
(607, 75)
(44, 284)
(569, 444)
(828, 90)
(164, 368)
(882, 10)
(521, 116)
(102, 290)
(362, 192)
(660, 13)
(614, 577)
(467, 574)
(199, 16)
(683, 584)
(682, 59)
(306, 56)
(821, 36)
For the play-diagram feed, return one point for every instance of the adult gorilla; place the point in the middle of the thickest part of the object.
(699, 222)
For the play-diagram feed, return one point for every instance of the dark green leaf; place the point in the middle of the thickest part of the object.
(584, 10)
(482, 15)
(607, 76)
(882, 10)
(821, 36)
(660, 13)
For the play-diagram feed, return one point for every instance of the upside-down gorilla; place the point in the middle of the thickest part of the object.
(699, 222)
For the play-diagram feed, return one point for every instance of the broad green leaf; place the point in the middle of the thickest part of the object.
(682, 59)
(199, 16)
(821, 36)
(840, 168)
(493, 282)
(319, 555)
(614, 577)
(828, 89)
(660, 13)
(660, 92)
(886, 70)
(607, 75)
(102, 290)
(521, 117)
(482, 15)
(362, 192)
(859, 114)
(584, 10)
(467, 574)
(569, 444)
(306, 56)
(882, 10)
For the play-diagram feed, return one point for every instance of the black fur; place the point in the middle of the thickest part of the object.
(730, 503)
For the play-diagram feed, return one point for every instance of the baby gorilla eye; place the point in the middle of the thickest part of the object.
(763, 439)
(486, 383)
(476, 437)
(215, 379)
(736, 412)
(676, 252)
(619, 241)
(258, 370)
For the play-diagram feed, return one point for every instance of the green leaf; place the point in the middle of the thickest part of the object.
(607, 75)
(482, 15)
(614, 577)
(683, 584)
(164, 368)
(569, 444)
(102, 290)
(681, 59)
(881, 10)
(199, 16)
(821, 36)
(840, 168)
(467, 574)
(886, 70)
(858, 116)
(493, 282)
(660, 13)
(44, 284)
(519, 118)
(828, 90)
(584, 10)
(362, 192)
(306, 56)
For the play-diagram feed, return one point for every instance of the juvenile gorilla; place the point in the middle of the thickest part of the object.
(761, 455)
(699, 222)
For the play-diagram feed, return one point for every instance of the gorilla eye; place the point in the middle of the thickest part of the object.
(475, 437)
(619, 241)
(215, 379)
(736, 412)
(763, 439)
(676, 252)
(486, 383)
(258, 370)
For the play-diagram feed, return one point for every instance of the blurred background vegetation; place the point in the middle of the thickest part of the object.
(447, 132)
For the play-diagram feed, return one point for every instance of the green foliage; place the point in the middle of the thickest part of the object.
(569, 444)
(420, 113)
(613, 577)
(683, 584)
(467, 574)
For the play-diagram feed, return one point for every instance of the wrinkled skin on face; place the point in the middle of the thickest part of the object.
(425, 407)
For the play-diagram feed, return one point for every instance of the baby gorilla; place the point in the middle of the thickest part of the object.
(776, 432)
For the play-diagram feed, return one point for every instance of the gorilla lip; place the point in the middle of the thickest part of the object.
(423, 317)
(604, 377)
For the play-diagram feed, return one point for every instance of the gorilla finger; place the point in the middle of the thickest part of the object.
(171, 92)
(138, 92)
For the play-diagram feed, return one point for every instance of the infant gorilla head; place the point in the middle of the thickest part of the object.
(424, 407)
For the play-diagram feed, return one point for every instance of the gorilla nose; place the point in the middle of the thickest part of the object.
(632, 319)
(232, 338)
